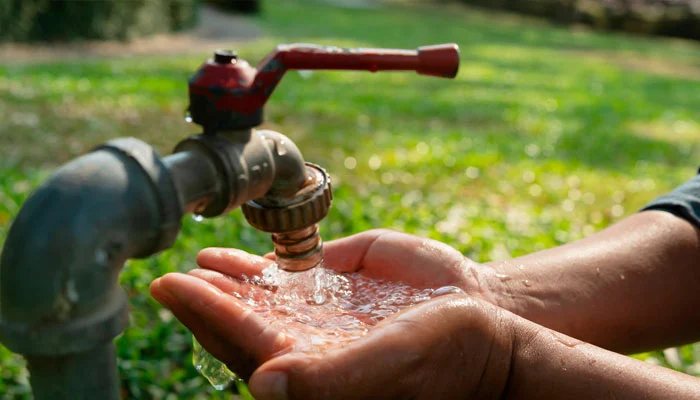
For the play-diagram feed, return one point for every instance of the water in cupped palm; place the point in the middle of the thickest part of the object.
(320, 308)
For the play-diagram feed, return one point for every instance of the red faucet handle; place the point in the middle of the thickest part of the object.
(226, 93)
(438, 60)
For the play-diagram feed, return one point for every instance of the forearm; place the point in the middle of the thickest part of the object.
(628, 288)
(547, 364)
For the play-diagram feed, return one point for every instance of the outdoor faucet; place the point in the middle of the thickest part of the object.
(60, 301)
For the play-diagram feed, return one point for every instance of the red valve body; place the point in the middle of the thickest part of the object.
(226, 93)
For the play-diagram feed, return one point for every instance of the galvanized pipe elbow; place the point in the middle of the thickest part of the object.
(290, 168)
(59, 291)
(64, 251)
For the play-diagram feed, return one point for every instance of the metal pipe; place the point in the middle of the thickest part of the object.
(60, 301)
(52, 376)
(248, 164)
(196, 177)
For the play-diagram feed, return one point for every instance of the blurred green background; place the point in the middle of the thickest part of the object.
(547, 135)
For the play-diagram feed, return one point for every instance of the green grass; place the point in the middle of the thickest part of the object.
(547, 135)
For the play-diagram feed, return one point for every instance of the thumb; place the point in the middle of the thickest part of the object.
(337, 374)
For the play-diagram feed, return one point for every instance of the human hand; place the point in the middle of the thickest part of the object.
(438, 349)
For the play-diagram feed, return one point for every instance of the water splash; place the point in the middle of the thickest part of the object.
(212, 369)
(322, 309)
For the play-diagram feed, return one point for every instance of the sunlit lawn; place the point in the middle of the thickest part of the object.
(547, 135)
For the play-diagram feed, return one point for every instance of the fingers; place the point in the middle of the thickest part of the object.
(348, 254)
(232, 262)
(229, 285)
(204, 307)
(214, 345)
(379, 253)
(225, 283)
(390, 255)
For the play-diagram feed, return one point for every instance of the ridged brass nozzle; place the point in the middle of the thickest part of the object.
(298, 250)
(293, 221)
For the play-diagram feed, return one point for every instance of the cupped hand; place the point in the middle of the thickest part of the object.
(449, 347)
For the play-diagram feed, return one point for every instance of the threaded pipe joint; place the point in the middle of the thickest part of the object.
(298, 250)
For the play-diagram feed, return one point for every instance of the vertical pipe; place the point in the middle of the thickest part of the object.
(60, 303)
(87, 375)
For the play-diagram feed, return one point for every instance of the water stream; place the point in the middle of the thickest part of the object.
(320, 308)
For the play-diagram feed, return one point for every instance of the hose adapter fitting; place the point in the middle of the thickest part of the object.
(293, 221)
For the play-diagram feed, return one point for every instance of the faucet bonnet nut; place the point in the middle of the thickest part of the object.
(308, 206)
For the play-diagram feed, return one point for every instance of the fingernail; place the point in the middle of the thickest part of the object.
(269, 385)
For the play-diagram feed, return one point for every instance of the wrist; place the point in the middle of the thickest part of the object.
(489, 284)
(549, 364)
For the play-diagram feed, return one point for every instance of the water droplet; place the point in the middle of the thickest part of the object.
(72, 292)
(527, 282)
(188, 117)
(445, 290)
(101, 257)
(318, 299)
(281, 147)
(622, 277)
(503, 277)
(197, 218)
(565, 340)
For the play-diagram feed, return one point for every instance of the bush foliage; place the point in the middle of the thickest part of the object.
(242, 6)
(679, 18)
(58, 20)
